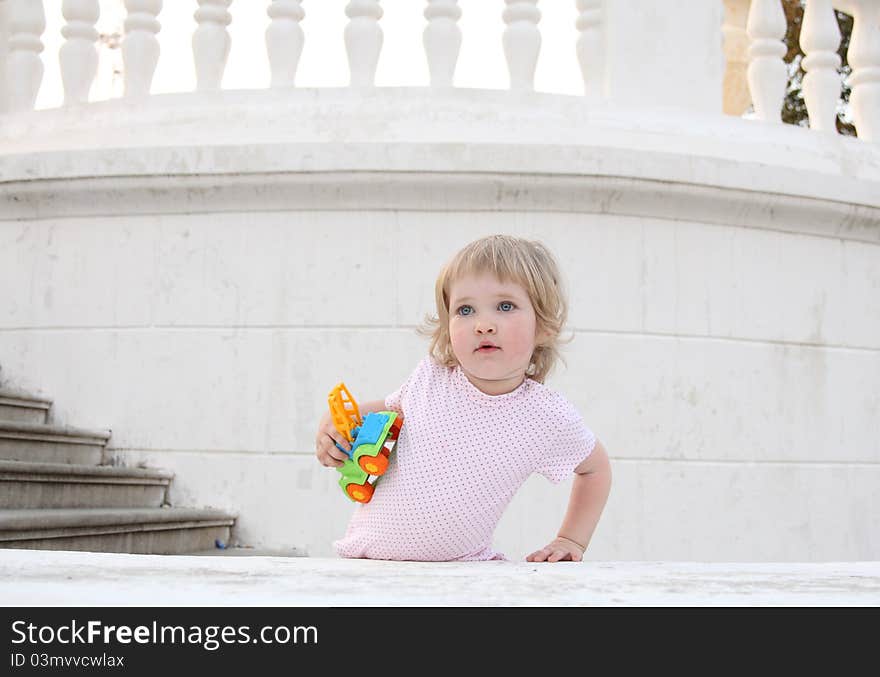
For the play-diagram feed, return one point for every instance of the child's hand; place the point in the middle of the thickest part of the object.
(325, 449)
(561, 549)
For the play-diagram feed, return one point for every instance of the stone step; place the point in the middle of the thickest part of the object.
(26, 485)
(45, 443)
(17, 406)
(151, 531)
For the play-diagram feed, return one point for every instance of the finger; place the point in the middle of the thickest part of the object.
(330, 462)
(333, 461)
(325, 443)
(321, 450)
(540, 555)
(333, 452)
(336, 436)
(327, 429)
(558, 556)
(328, 455)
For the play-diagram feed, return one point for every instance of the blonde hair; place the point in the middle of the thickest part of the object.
(511, 259)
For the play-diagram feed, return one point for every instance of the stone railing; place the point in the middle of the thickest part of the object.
(753, 50)
(755, 73)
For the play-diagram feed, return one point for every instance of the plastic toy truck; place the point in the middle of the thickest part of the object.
(372, 441)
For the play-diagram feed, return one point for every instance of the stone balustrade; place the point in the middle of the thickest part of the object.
(752, 37)
(753, 33)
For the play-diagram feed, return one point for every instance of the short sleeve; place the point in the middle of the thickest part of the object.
(567, 449)
(394, 402)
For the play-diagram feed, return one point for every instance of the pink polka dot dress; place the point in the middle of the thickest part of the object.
(460, 458)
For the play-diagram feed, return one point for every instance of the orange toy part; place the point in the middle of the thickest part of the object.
(394, 432)
(344, 411)
(362, 493)
(374, 465)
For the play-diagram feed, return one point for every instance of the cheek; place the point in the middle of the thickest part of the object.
(457, 332)
(525, 337)
(524, 344)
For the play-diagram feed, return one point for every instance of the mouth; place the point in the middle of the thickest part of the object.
(487, 348)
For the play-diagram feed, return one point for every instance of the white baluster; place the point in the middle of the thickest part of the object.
(284, 41)
(363, 41)
(140, 48)
(590, 50)
(820, 39)
(767, 72)
(211, 43)
(24, 69)
(78, 56)
(864, 58)
(442, 40)
(735, 88)
(522, 42)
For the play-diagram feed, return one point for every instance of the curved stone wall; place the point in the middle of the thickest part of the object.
(196, 273)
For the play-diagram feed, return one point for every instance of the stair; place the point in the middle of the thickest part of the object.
(28, 486)
(51, 443)
(154, 531)
(57, 493)
(19, 407)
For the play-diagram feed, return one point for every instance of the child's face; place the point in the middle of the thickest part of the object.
(484, 311)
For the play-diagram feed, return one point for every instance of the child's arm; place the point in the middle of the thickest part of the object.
(325, 449)
(589, 491)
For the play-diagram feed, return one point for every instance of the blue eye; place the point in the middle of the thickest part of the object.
(465, 310)
(505, 306)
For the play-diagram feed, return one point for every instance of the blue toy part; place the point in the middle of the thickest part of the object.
(369, 432)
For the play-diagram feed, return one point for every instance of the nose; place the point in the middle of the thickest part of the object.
(485, 328)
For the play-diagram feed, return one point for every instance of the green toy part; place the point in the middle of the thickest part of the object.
(367, 456)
